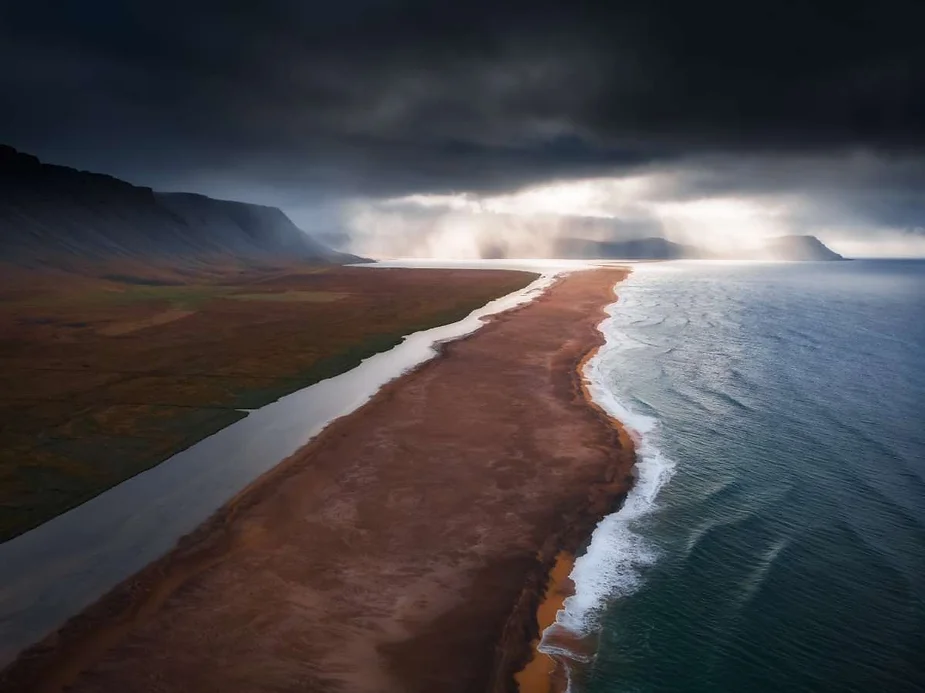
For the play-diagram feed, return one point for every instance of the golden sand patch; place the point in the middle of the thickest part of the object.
(536, 677)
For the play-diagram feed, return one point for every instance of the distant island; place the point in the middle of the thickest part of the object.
(800, 248)
(788, 248)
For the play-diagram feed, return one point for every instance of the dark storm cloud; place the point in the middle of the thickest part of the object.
(372, 97)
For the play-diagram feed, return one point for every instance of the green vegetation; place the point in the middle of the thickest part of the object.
(102, 380)
(180, 297)
(308, 296)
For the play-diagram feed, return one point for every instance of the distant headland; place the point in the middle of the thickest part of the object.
(793, 248)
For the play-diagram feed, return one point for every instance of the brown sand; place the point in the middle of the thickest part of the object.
(407, 548)
(542, 673)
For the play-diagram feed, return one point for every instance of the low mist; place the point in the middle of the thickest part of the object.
(539, 222)
(694, 208)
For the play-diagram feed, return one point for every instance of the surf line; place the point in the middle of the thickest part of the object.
(579, 587)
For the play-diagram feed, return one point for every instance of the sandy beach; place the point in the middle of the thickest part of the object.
(406, 548)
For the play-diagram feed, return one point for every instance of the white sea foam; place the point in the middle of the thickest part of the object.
(617, 554)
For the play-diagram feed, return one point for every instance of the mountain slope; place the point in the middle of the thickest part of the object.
(639, 249)
(50, 212)
(245, 229)
(791, 248)
(799, 248)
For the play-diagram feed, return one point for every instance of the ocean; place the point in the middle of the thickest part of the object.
(775, 539)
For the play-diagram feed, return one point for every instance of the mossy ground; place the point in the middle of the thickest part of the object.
(97, 386)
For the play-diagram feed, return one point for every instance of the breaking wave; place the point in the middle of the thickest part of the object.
(612, 564)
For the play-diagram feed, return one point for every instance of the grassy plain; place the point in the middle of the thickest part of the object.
(102, 377)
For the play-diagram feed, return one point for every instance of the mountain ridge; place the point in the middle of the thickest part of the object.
(637, 249)
(793, 248)
(50, 212)
(800, 247)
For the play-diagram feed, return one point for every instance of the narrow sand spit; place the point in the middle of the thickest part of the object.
(406, 548)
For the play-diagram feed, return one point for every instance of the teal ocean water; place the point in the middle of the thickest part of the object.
(775, 540)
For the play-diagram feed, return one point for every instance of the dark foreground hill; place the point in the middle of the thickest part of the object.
(54, 213)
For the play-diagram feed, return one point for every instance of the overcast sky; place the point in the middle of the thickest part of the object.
(436, 127)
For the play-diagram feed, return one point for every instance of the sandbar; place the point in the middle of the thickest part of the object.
(406, 548)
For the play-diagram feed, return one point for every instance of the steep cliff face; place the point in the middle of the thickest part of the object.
(245, 229)
(49, 212)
